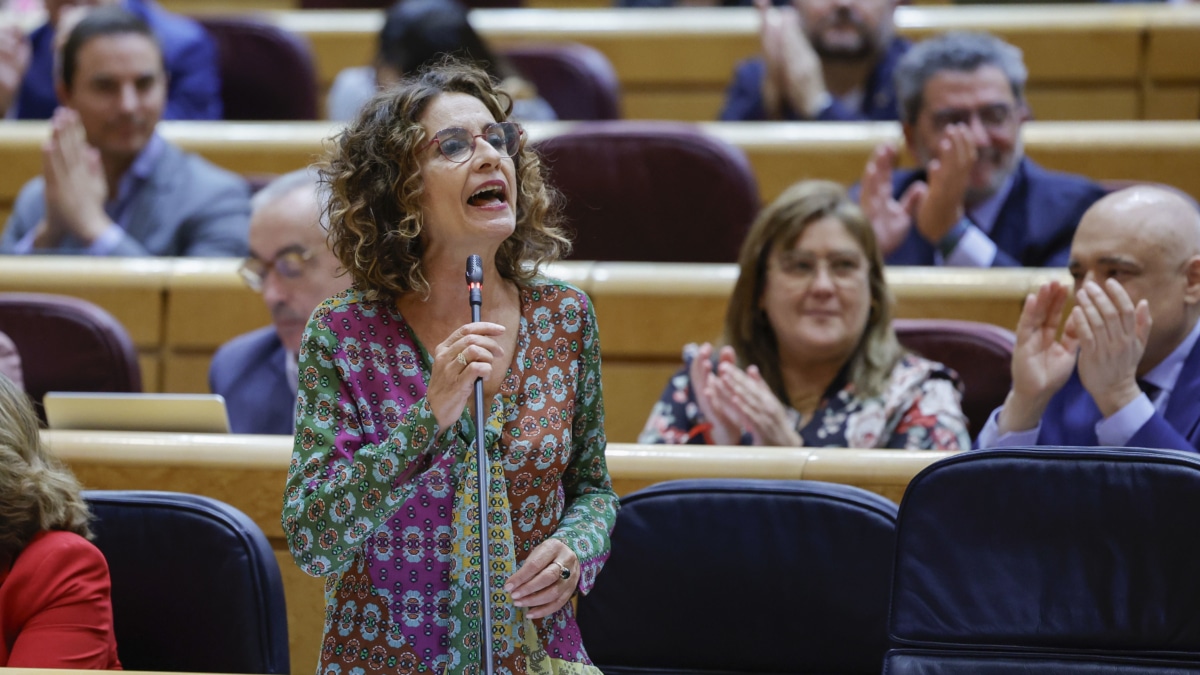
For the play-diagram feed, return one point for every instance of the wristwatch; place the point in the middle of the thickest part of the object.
(949, 242)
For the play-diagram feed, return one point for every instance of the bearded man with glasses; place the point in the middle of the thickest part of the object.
(293, 268)
(976, 201)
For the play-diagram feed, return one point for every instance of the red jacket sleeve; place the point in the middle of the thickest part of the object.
(60, 595)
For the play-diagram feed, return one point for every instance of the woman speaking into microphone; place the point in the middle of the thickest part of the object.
(382, 494)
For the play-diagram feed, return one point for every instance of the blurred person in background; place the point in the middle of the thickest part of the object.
(810, 358)
(27, 63)
(822, 60)
(291, 265)
(110, 185)
(417, 33)
(975, 200)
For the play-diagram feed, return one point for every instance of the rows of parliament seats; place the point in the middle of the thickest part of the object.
(1093, 61)
(178, 312)
(779, 153)
(1086, 63)
(247, 472)
(979, 538)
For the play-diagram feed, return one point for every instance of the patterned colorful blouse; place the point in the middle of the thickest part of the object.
(385, 504)
(920, 409)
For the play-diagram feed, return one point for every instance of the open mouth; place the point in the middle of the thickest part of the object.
(492, 194)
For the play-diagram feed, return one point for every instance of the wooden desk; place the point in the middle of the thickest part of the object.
(248, 472)
(780, 153)
(1085, 61)
(180, 311)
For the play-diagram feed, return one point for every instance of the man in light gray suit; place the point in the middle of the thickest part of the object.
(110, 185)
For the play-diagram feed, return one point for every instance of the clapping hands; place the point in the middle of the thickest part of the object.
(1105, 336)
(736, 401)
(76, 188)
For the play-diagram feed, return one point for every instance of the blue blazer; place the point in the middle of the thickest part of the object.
(1034, 227)
(186, 207)
(743, 99)
(250, 371)
(1071, 417)
(193, 77)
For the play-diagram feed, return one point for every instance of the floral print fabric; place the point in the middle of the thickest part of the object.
(384, 503)
(920, 409)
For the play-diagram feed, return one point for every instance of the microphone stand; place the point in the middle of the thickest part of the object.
(475, 285)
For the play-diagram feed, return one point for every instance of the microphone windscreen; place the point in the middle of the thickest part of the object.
(474, 269)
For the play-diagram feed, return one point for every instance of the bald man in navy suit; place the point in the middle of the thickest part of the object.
(1126, 369)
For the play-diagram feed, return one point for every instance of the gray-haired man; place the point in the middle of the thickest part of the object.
(976, 200)
(292, 266)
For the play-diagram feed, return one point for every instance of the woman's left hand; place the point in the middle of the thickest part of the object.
(539, 585)
(758, 408)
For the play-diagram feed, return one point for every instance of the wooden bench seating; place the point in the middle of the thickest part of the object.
(180, 311)
(780, 153)
(1085, 61)
(249, 473)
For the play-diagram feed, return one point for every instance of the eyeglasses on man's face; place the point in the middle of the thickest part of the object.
(993, 117)
(458, 144)
(288, 263)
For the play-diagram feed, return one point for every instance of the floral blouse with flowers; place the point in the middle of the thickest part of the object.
(919, 409)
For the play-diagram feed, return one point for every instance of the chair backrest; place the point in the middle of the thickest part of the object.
(576, 80)
(68, 344)
(981, 354)
(195, 584)
(267, 73)
(651, 191)
(743, 576)
(1048, 560)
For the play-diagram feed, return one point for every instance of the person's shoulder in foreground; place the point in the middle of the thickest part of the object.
(58, 584)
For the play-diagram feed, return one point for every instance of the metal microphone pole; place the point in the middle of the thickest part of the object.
(475, 285)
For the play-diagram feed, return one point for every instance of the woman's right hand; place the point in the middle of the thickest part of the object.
(712, 396)
(451, 382)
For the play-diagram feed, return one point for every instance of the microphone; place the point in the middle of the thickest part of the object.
(475, 284)
(486, 658)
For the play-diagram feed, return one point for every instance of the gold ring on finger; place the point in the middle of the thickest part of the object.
(462, 358)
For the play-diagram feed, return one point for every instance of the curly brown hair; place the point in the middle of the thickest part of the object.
(37, 492)
(778, 226)
(375, 187)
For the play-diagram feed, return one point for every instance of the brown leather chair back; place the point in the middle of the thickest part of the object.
(68, 344)
(576, 80)
(981, 354)
(267, 73)
(651, 191)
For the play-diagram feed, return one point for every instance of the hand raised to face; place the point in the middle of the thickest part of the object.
(1112, 333)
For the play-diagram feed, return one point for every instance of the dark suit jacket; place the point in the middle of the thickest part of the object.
(1034, 227)
(1071, 417)
(193, 80)
(743, 100)
(187, 207)
(250, 371)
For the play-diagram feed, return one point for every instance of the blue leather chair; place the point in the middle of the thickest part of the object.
(1071, 560)
(743, 576)
(195, 584)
